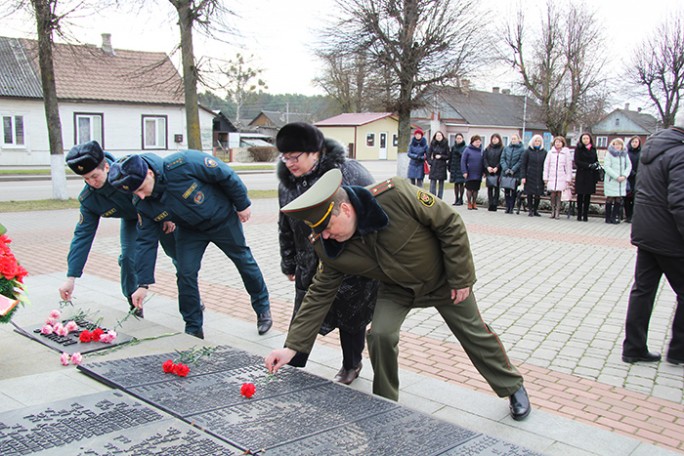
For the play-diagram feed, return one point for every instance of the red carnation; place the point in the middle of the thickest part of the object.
(168, 366)
(96, 334)
(182, 370)
(248, 390)
(86, 336)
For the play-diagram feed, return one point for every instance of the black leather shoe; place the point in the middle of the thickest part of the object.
(675, 361)
(520, 404)
(264, 322)
(347, 376)
(199, 334)
(648, 357)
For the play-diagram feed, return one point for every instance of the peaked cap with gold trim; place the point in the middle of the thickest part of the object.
(314, 207)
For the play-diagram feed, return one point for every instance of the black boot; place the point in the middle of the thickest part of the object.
(580, 208)
(536, 206)
(530, 205)
(616, 213)
(609, 212)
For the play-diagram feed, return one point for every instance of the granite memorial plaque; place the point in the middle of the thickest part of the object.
(204, 393)
(257, 424)
(70, 343)
(109, 423)
(397, 432)
(147, 370)
(484, 445)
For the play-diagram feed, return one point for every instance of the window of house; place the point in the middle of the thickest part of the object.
(617, 122)
(506, 139)
(370, 139)
(13, 131)
(154, 131)
(602, 141)
(395, 140)
(88, 127)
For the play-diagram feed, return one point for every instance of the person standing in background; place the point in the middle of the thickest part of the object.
(511, 160)
(557, 173)
(617, 167)
(455, 173)
(634, 152)
(492, 163)
(439, 161)
(417, 153)
(532, 167)
(473, 169)
(587, 164)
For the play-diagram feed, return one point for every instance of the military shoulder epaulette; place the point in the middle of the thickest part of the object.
(176, 163)
(85, 193)
(382, 187)
(313, 237)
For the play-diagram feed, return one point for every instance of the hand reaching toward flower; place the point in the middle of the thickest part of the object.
(138, 297)
(67, 289)
(278, 358)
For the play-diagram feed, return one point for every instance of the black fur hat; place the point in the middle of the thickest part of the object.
(299, 137)
(83, 158)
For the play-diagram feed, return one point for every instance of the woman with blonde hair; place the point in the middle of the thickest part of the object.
(617, 166)
(532, 172)
(557, 173)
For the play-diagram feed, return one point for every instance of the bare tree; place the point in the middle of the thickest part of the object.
(415, 45)
(658, 66)
(347, 79)
(560, 67)
(241, 82)
(47, 21)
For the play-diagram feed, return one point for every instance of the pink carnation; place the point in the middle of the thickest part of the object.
(55, 314)
(46, 329)
(71, 326)
(59, 329)
(76, 359)
(108, 337)
(64, 359)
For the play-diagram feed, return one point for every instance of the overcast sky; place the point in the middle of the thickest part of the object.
(280, 34)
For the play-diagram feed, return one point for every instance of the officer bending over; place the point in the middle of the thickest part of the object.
(417, 247)
(207, 201)
(99, 199)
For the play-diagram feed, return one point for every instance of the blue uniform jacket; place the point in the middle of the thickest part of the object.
(193, 190)
(95, 203)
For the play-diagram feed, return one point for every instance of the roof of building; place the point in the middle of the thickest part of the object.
(647, 122)
(86, 72)
(280, 118)
(353, 119)
(481, 108)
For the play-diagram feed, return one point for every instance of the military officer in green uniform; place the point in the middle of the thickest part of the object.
(208, 202)
(418, 248)
(99, 199)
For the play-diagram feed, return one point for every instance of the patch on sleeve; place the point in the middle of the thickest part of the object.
(382, 187)
(210, 162)
(199, 198)
(80, 218)
(425, 198)
(176, 163)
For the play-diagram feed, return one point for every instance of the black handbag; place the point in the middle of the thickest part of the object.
(509, 182)
(493, 180)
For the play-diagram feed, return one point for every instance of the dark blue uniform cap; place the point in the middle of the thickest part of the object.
(83, 158)
(128, 173)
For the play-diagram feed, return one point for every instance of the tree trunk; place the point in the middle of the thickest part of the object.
(44, 21)
(185, 20)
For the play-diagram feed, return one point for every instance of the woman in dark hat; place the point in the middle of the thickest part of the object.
(305, 156)
(417, 153)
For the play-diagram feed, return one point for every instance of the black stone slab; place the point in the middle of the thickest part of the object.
(484, 445)
(70, 343)
(397, 432)
(109, 423)
(258, 424)
(147, 370)
(203, 393)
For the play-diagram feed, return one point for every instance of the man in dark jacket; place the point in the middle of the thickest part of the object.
(416, 245)
(99, 199)
(207, 201)
(658, 233)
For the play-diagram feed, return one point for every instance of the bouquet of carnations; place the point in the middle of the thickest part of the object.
(11, 280)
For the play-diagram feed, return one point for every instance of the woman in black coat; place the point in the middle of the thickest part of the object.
(438, 156)
(305, 157)
(587, 164)
(532, 172)
(455, 173)
(634, 152)
(492, 164)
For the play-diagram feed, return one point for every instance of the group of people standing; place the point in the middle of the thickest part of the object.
(528, 172)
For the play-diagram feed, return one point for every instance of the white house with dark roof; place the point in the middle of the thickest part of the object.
(477, 112)
(269, 122)
(366, 135)
(129, 101)
(624, 124)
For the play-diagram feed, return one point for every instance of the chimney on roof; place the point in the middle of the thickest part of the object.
(465, 85)
(639, 109)
(107, 44)
(626, 106)
(506, 91)
(495, 89)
